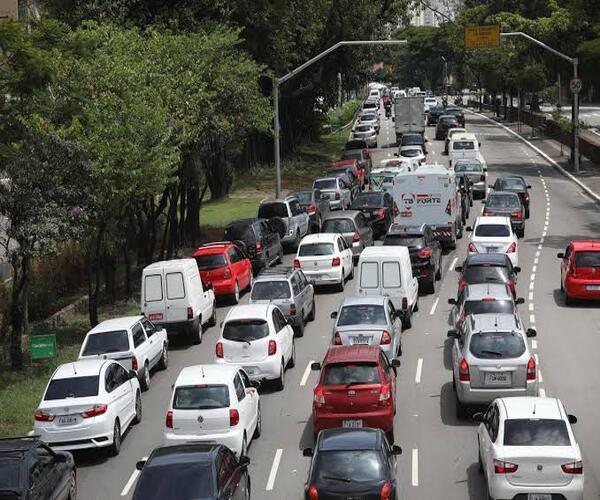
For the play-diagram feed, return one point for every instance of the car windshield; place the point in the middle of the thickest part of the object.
(10, 466)
(492, 230)
(462, 145)
(503, 201)
(485, 273)
(410, 153)
(489, 306)
(241, 232)
(351, 374)
(368, 118)
(268, 210)
(511, 184)
(315, 249)
(184, 481)
(468, 167)
(410, 140)
(497, 345)
(105, 342)
(325, 184)
(75, 387)
(211, 261)
(447, 120)
(535, 432)
(270, 290)
(201, 397)
(362, 314)
(245, 330)
(405, 240)
(338, 226)
(355, 466)
(365, 200)
(587, 259)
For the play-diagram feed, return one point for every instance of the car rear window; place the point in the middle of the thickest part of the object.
(106, 342)
(211, 261)
(348, 465)
(492, 230)
(587, 259)
(511, 183)
(448, 119)
(463, 145)
(325, 184)
(407, 240)
(365, 128)
(10, 466)
(338, 226)
(485, 273)
(535, 432)
(241, 232)
(270, 290)
(468, 167)
(410, 140)
(410, 153)
(201, 397)
(489, 306)
(351, 374)
(182, 480)
(367, 117)
(497, 345)
(315, 249)
(503, 201)
(364, 200)
(74, 387)
(268, 210)
(245, 330)
(362, 314)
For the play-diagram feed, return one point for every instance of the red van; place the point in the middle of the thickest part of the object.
(580, 270)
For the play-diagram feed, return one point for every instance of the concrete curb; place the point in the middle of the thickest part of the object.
(570, 176)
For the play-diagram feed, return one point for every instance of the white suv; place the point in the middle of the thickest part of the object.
(494, 235)
(258, 338)
(216, 404)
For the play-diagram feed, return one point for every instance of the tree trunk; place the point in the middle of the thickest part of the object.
(18, 309)
(94, 277)
(127, 261)
(109, 269)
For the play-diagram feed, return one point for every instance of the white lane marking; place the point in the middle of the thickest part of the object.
(531, 306)
(419, 370)
(544, 235)
(537, 358)
(432, 312)
(453, 263)
(532, 318)
(306, 374)
(532, 277)
(531, 285)
(537, 258)
(541, 379)
(542, 392)
(415, 467)
(539, 247)
(274, 467)
(530, 295)
(131, 481)
(533, 270)
(534, 344)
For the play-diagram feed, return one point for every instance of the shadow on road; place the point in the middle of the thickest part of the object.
(448, 408)
(559, 300)
(307, 438)
(448, 354)
(476, 483)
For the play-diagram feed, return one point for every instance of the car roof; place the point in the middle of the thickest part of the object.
(170, 264)
(532, 407)
(82, 368)
(492, 219)
(413, 134)
(249, 311)
(492, 322)
(243, 222)
(411, 146)
(383, 251)
(342, 214)
(206, 374)
(464, 137)
(366, 300)
(485, 290)
(183, 454)
(350, 439)
(319, 238)
(341, 354)
(467, 160)
(275, 273)
(579, 245)
(487, 258)
(343, 163)
(214, 248)
(21, 444)
(447, 117)
(328, 178)
(504, 193)
(110, 325)
(431, 168)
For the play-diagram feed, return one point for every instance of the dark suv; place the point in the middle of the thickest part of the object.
(261, 238)
(424, 249)
(30, 470)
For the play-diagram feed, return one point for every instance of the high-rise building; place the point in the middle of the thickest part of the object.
(19, 10)
(434, 12)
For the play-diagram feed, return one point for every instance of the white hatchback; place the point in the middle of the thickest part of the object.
(88, 404)
(258, 338)
(326, 259)
(527, 449)
(214, 404)
(412, 153)
(494, 235)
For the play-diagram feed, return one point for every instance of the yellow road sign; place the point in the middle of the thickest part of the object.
(482, 37)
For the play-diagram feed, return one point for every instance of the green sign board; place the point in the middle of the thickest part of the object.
(42, 346)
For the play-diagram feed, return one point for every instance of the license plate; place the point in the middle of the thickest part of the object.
(594, 288)
(155, 316)
(352, 424)
(539, 496)
(497, 378)
(361, 339)
(67, 420)
(492, 249)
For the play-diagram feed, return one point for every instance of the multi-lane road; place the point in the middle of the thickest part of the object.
(440, 457)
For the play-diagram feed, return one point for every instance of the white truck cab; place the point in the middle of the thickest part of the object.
(464, 146)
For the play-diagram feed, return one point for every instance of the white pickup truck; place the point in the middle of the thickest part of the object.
(133, 341)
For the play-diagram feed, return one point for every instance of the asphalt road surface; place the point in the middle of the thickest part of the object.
(440, 457)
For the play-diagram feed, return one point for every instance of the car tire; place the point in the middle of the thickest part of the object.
(213, 319)
(292, 360)
(342, 284)
(568, 300)
(235, 296)
(296, 243)
(163, 363)
(299, 330)
(527, 213)
(145, 378)
(407, 321)
(521, 233)
(280, 382)
(244, 448)
(138, 408)
(313, 311)
(197, 336)
(280, 256)
(399, 350)
(351, 277)
(258, 429)
(429, 287)
(416, 308)
(480, 462)
(72, 486)
(390, 437)
(115, 448)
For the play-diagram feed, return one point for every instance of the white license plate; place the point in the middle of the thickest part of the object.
(155, 316)
(539, 496)
(352, 424)
(361, 339)
(68, 420)
(497, 378)
(492, 249)
(594, 288)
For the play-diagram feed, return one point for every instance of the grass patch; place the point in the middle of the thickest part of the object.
(338, 117)
(221, 212)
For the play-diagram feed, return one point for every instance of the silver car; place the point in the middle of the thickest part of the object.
(366, 133)
(371, 321)
(289, 290)
(289, 210)
(336, 191)
(353, 226)
(369, 119)
(476, 173)
(491, 358)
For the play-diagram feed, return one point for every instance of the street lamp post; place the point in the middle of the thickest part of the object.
(445, 75)
(279, 81)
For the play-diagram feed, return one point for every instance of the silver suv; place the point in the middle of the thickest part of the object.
(491, 358)
(291, 291)
(295, 218)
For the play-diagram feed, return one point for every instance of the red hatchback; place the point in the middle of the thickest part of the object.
(580, 270)
(226, 266)
(357, 388)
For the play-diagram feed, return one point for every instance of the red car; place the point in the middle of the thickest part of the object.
(357, 388)
(226, 266)
(356, 168)
(580, 270)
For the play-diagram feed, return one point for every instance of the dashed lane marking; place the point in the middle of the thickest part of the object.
(534, 344)
(131, 481)
(452, 264)
(274, 468)
(532, 319)
(434, 306)
(306, 374)
(419, 370)
(415, 467)
(542, 392)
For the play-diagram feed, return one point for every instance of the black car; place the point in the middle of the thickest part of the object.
(456, 112)
(413, 139)
(507, 204)
(515, 184)
(30, 470)
(378, 207)
(352, 464)
(425, 252)
(356, 144)
(434, 114)
(262, 239)
(445, 123)
(316, 206)
(193, 471)
(488, 268)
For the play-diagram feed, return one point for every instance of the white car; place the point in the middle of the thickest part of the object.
(429, 102)
(527, 449)
(214, 404)
(88, 404)
(258, 338)
(494, 235)
(326, 259)
(369, 119)
(412, 153)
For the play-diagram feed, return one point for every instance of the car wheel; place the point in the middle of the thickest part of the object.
(342, 283)
(296, 241)
(145, 380)
(248, 489)
(280, 256)
(213, 318)
(258, 429)
(479, 459)
(138, 408)
(280, 382)
(390, 437)
(313, 311)
(164, 358)
(568, 300)
(72, 486)
(115, 448)
(299, 330)
(407, 322)
(521, 233)
(235, 296)
(399, 351)
(351, 277)
(527, 213)
(416, 308)
(244, 448)
(197, 337)
(292, 361)
(430, 286)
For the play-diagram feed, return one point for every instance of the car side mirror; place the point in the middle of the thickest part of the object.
(520, 301)
(560, 255)
(333, 315)
(307, 452)
(528, 186)
(393, 119)
(132, 374)
(469, 229)
(531, 332)
(396, 451)
(396, 155)
(572, 419)
(459, 269)
(517, 269)
(140, 464)
(452, 302)
(316, 366)
(396, 363)
(221, 324)
(244, 461)
(478, 417)
(453, 334)
(485, 170)
(255, 383)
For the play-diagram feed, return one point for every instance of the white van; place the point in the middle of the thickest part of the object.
(173, 298)
(464, 146)
(387, 271)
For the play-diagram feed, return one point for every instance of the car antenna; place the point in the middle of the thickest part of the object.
(496, 322)
(534, 404)
(203, 376)
(74, 368)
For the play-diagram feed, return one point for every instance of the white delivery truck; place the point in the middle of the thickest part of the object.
(464, 146)
(409, 116)
(430, 196)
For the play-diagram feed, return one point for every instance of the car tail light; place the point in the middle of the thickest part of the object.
(511, 285)
(512, 248)
(356, 237)
(501, 467)
(486, 213)
(425, 253)
(531, 371)
(386, 338)
(517, 215)
(41, 416)
(227, 274)
(404, 304)
(385, 395)
(396, 209)
(312, 209)
(297, 264)
(472, 248)
(169, 420)
(190, 313)
(462, 283)
(336, 262)
(488, 299)
(337, 340)
(234, 417)
(272, 347)
(526, 196)
(463, 371)
(293, 309)
(134, 363)
(573, 467)
(337, 196)
(319, 397)
(386, 492)
(423, 160)
(95, 410)
(259, 247)
(313, 494)
(219, 350)
(380, 213)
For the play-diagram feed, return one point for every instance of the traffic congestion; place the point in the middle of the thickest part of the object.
(372, 335)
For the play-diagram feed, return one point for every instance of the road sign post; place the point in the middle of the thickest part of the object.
(42, 347)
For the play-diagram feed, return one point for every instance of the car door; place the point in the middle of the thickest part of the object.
(300, 217)
(142, 346)
(388, 374)
(488, 436)
(365, 230)
(45, 475)
(564, 264)
(457, 352)
(247, 404)
(228, 475)
(269, 242)
(177, 302)
(297, 294)
(154, 341)
(307, 293)
(119, 388)
(395, 322)
(342, 247)
(345, 193)
(283, 334)
(245, 267)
